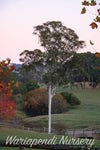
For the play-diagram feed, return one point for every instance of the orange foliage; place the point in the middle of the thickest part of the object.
(97, 54)
(36, 102)
(92, 3)
(93, 25)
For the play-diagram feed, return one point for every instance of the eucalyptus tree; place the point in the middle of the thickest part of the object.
(60, 44)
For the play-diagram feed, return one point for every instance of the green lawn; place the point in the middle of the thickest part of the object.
(89, 96)
(4, 132)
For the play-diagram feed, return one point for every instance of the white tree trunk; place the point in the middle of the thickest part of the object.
(49, 109)
(51, 94)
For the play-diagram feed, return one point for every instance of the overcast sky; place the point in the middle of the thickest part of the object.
(18, 17)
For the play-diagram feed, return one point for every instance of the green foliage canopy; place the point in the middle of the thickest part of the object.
(60, 44)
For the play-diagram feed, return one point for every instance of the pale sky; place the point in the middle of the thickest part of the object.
(18, 17)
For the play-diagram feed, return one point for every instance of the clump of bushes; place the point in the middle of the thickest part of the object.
(35, 102)
(71, 98)
(58, 103)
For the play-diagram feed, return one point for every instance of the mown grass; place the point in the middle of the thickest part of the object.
(4, 132)
(88, 96)
(76, 118)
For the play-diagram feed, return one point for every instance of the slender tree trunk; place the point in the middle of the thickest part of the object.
(51, 94)
(49, 109)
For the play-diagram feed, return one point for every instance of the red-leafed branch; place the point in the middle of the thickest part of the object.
(88, 4)
(7, 105)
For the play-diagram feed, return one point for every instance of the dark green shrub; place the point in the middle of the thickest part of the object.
(19, 101)
(26, 87)
(71, 98)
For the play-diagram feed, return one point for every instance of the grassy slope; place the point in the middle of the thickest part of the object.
(85, 115)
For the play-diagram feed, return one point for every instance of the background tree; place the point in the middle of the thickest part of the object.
(77, 71)
(59, 43)
(92, 64)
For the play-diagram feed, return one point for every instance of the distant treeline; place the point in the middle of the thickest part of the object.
(88, 70)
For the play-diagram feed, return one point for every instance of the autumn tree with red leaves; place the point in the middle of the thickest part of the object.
(86, 5)
(7, 104)
(94, 25)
